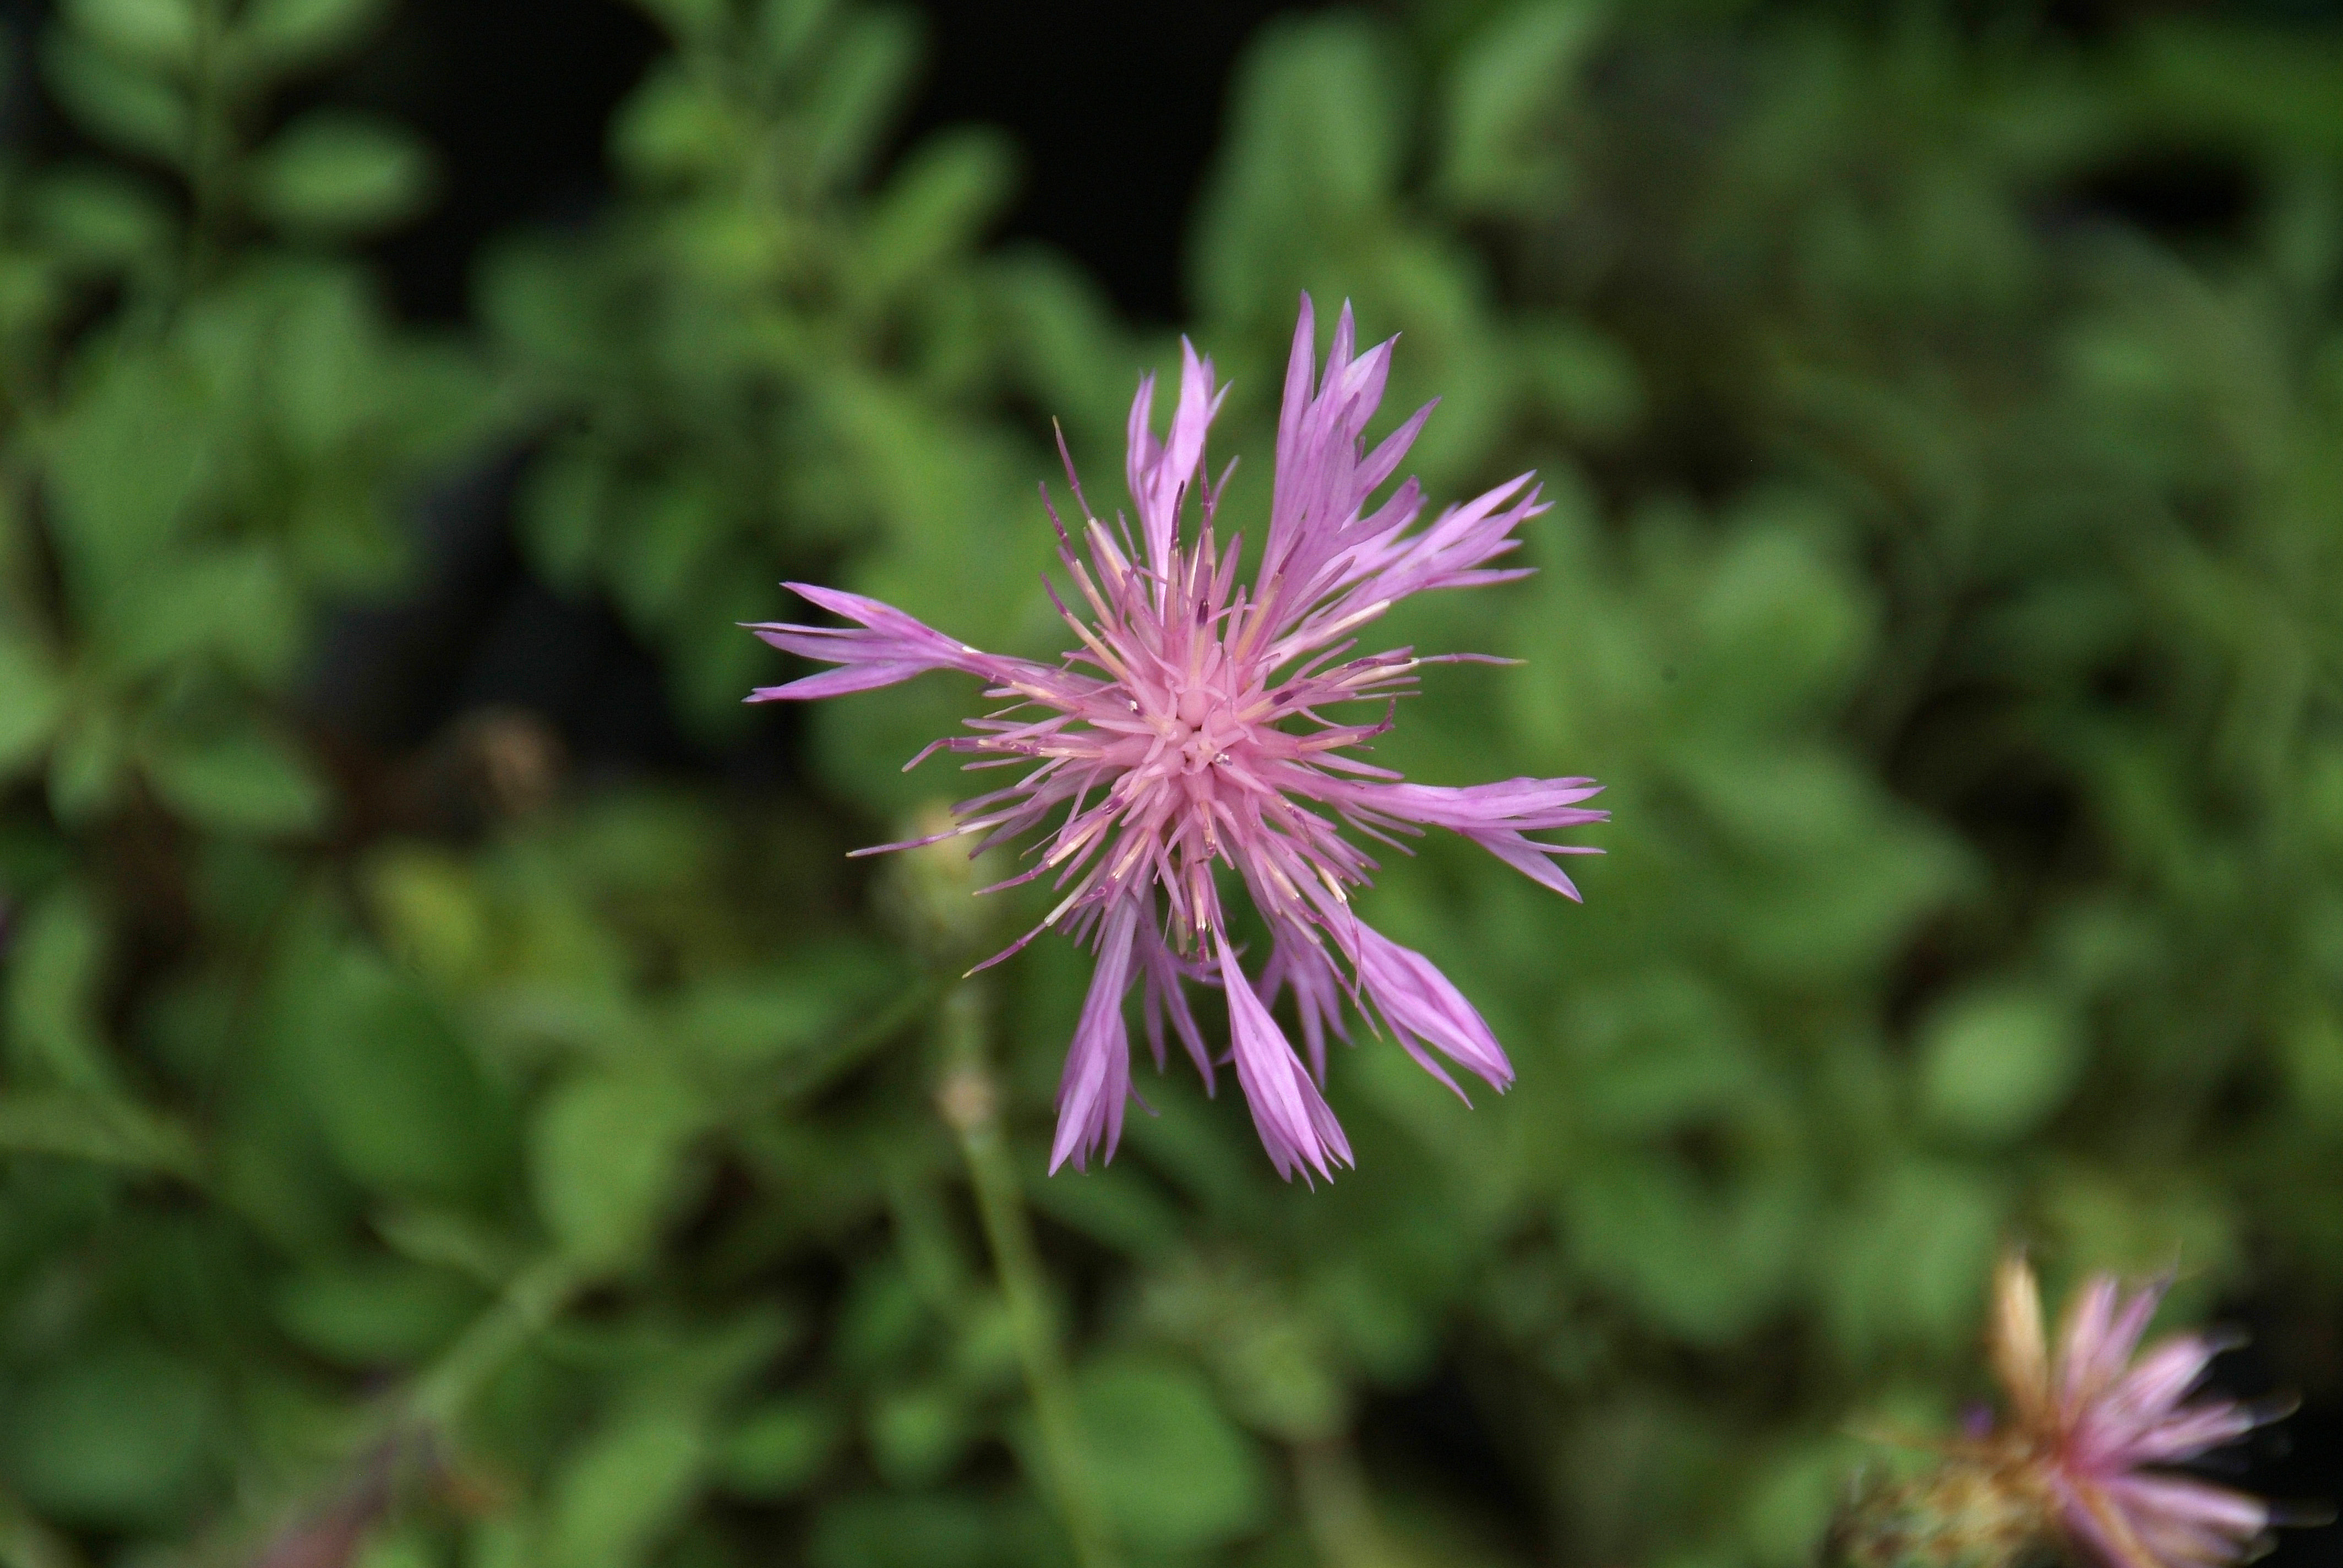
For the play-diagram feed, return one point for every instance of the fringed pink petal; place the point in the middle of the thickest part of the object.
(1296, 1127)
(1097, 1079)
(1423, 1007)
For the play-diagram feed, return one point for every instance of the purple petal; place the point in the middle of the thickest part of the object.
(2176, 1500)
(1497, 816)
(887, 646)
(1420, 1004)
(2190, 1433)
(1097, 1079)
(2086, 1365)
(1296, 1127)
(1298, 961)
(1160, 475)
(1163, 996)
(2161, 1378)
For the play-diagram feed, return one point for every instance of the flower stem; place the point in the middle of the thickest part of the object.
(970, 1100)
(533, 1299)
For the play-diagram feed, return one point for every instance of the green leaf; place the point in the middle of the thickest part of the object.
(234, 604)
(32, 700)
(101, 217)
(1994, 1063)
(278, 36)
(918, 1434)
(1316, 144)
(786, 28)
(336, 172)
(405, 1110)
(377, 1313)
(106, 1131)
(861, 82)
(1174, 1473)
(125, 108)
(150, 32)
(53, 969)
(248, 784)
(86, 770)
(1909, 1257)
(116, 1438)
(776, 1450)
(674, 126)
(626, 1489)
(934, 206)
(1794, 1499)
(606, 1155)
(127, 459)
(1506, 81)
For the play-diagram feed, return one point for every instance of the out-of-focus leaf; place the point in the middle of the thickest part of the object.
(404, 1108)
(776, 1450)
(129, 457)
(686, 19)
(55, 965)
(430, 913)
(672, 128)
(87, 764)
(234, 604)
(625, 1489)
(786, 28)
(282, 36)
(239, 784)
(101, 217)
(117, 1437)
(865, 70)
(1792, 1504)
(934, 206)
(1170, 1469)
(375, 1314)
(1122, 1210)
(119, 104)
(337, 172)
(918, 1434)
(110, 1132)
(32, 697)
(1994, 1063)
(153, 32)
(1498, 100)
(607, 1156)
(929, 1530)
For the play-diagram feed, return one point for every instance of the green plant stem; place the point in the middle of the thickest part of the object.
(534, 1299)
(208, 151)
(970, 1099)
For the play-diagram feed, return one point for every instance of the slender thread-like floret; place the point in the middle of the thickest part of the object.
(1196, 726)
(2095, 1424)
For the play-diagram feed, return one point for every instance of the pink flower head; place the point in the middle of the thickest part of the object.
(1190, 729)
(2093, 1424)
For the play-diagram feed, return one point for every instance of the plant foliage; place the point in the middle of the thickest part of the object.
(1942, 575)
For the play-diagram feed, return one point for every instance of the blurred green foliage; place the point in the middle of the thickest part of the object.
(1942, 575)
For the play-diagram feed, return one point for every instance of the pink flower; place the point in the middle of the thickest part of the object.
(1189, 731)
(2093, 1424)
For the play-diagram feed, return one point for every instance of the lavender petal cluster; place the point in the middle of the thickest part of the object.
(1201, 724)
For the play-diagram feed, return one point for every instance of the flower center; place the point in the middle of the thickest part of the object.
(1198, 727)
